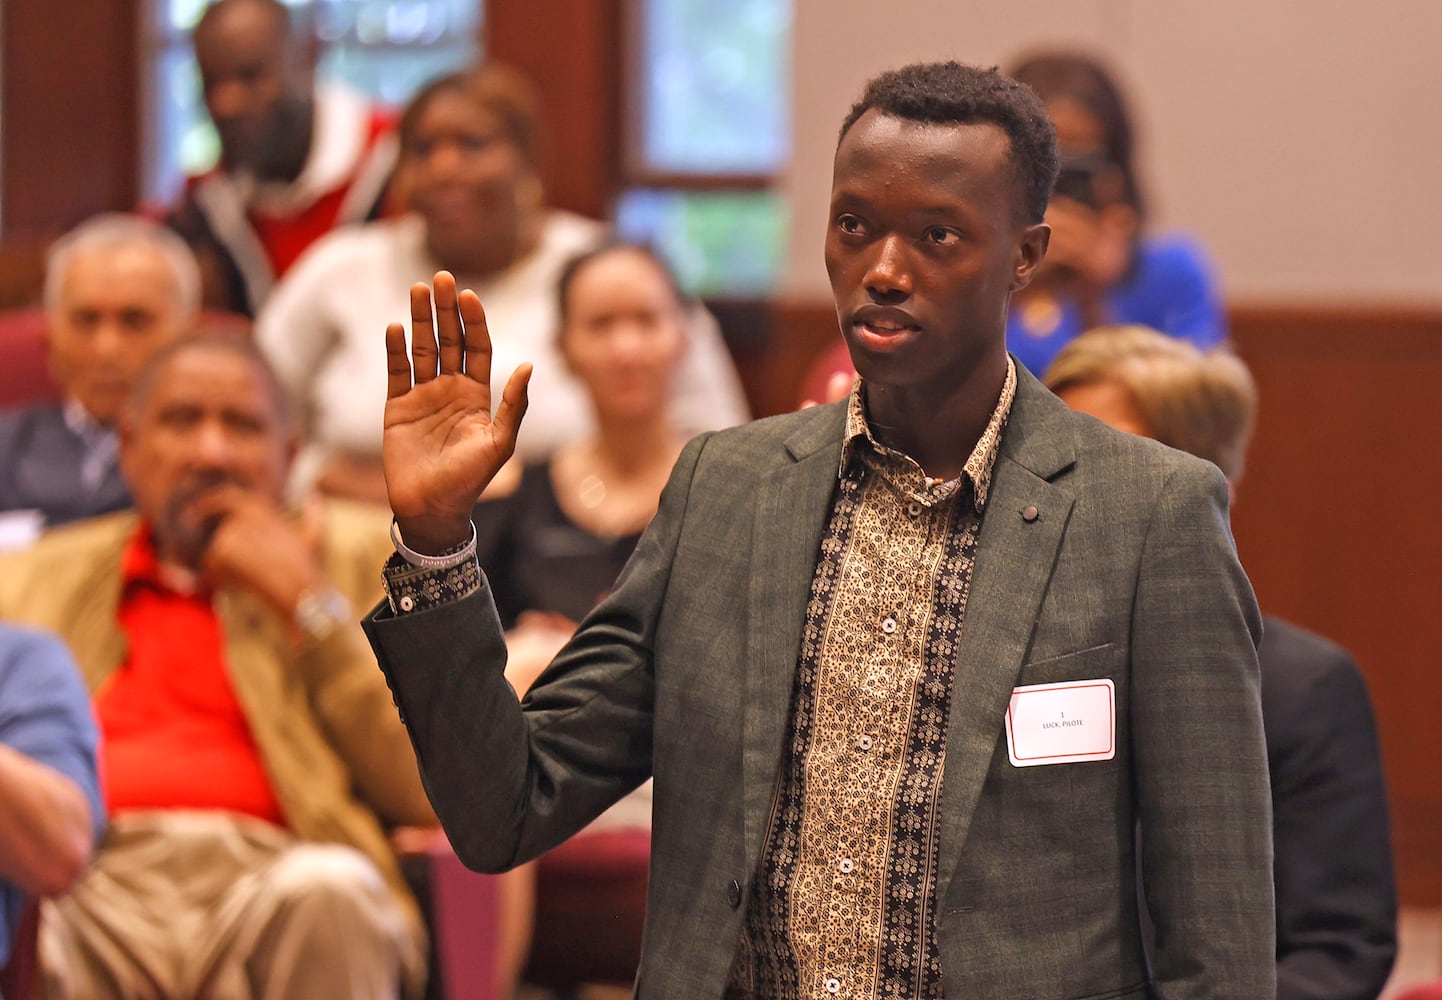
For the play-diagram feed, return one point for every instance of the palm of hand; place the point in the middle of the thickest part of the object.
(441, 443)
(441, 446)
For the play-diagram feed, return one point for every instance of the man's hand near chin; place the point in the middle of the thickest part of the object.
(259, 547)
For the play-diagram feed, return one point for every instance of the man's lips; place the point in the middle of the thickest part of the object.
(884, 322)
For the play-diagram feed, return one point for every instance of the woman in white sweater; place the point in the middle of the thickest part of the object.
(468, 167)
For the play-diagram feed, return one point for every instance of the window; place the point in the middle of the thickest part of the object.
(385, 48)
(710, 129)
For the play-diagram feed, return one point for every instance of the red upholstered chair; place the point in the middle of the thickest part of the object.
(464, 924)
(1430, 991)
(18, 978)
(590, 907)
(24, 371)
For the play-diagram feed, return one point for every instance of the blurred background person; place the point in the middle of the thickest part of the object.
(252, 754)
(1102, 265)
(555, 545)
(1335, 894)
(297, 158)
(117, 287)
(468, 169)
(50, 811)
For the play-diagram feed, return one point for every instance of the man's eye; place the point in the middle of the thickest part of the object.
(940, 235)
(848, 224)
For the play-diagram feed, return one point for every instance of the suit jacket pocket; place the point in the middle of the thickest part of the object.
(1104, 660)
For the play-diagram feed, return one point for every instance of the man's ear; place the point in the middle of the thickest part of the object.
(1029, 253)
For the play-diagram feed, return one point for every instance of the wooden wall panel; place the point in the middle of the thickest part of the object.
(573, 53)
(1338, 526)
(69, 122)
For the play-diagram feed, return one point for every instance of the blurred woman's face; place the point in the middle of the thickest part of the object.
(624, 334)
(466, 177)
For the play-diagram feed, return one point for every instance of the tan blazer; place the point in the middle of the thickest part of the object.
(339, 759)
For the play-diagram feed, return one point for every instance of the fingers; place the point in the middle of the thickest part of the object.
(398, 363)
(477, 338)
(448, 323)
(514, 400)
(423, 334)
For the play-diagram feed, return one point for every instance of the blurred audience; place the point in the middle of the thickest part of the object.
(1102, 265)
(1335, 894)
(116, 288)
(50, 811)
(252, 754)
(469, 152)
(297, 159)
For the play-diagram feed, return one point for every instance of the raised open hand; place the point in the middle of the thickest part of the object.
(442, 445)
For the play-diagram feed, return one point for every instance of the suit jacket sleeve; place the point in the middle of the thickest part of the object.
(1336, 905)
(1201, 764)
(509, 781)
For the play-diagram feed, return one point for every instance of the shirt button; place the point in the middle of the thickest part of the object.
(733, 893)
(833, 985)
(888, 625)
(864, 743)
(846, 866)
(408, 603)
(914, 509)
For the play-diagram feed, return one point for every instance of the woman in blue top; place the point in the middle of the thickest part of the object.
(1101, 268)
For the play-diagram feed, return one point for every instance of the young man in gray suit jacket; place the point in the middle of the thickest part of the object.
(908, 670)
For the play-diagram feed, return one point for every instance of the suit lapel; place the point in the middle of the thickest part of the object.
(1025, 520)
(95, 637)
(792, 507)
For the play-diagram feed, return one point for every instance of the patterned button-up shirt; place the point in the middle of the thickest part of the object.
(843, 900)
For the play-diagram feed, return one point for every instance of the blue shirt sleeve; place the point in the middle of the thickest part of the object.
(1172, 287)
(45, 714)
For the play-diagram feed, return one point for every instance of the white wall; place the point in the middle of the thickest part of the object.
(1300, 139)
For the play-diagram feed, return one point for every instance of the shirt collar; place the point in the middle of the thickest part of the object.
(859, 442)
(140, 565)
(80, 422)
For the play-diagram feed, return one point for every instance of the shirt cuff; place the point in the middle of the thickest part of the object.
(418, 583)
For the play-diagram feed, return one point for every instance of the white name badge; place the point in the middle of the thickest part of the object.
(1062, 723)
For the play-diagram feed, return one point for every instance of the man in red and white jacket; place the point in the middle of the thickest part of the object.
(296, 159)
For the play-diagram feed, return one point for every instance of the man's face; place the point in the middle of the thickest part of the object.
(208, 420)
(924, 247)
(116, 306)
(256, 86)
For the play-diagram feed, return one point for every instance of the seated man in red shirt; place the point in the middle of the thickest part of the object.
(297, 159)
(251, 752)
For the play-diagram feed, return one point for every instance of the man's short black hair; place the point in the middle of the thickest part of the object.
(952, 93)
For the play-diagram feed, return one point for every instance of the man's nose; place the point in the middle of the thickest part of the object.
(444, 160)
(888, 277)
(226, 100)
(211, 445)
(108, 343)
